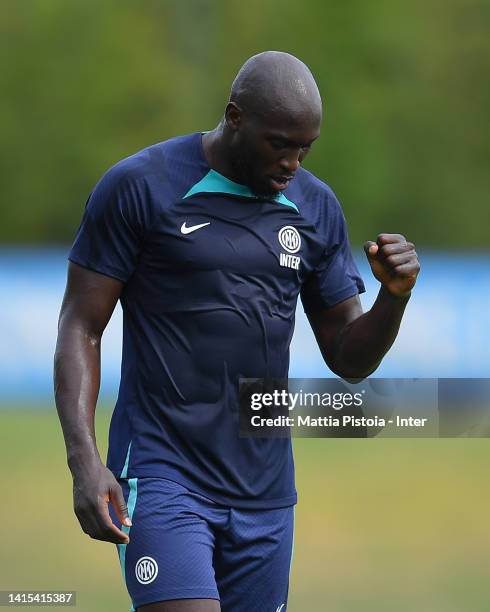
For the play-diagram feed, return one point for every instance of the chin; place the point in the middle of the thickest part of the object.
(263, 189)
(266, 194)
(247, 176)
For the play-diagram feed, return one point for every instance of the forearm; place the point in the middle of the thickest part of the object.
(362, 344)
(76, 382)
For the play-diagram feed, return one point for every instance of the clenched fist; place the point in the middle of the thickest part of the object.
(394, 263)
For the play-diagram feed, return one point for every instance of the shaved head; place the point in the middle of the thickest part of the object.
(277, 82)
(272, 118)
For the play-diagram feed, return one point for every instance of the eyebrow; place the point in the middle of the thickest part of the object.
(288, 142)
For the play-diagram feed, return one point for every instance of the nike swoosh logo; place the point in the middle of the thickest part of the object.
(192, 228)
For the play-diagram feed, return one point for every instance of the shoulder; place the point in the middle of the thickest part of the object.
(155, 176)
(315, 199)
(155, 162)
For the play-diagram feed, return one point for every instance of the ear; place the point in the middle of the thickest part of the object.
(233, 116)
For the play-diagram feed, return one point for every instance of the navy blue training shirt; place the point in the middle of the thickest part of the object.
(212, 274)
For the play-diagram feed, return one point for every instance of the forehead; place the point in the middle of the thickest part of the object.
(297, 119)
(298, 128)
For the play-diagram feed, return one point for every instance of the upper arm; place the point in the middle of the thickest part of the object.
(115, 224)
(330, 293)
(328, 324)
(89, 300)
(335, 277)
(107, 248)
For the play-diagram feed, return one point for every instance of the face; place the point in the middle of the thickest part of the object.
(267, 150)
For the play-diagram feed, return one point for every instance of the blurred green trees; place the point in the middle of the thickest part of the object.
(406, 89)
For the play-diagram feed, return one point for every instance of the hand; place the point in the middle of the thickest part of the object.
(93, 489)
(394, 263)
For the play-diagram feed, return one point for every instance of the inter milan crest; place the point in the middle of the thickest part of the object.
(290, 240)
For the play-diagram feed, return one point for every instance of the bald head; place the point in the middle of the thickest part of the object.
(277, 82)
(270, 123)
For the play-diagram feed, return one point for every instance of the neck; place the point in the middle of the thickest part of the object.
(217, 151)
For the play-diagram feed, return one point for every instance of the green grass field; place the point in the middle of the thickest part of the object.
(381, 525)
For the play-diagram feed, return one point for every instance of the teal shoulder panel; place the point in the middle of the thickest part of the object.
(282, 199)
(214, 182)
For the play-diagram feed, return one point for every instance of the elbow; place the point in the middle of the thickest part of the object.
(353, 378)
(351, 374)
(352, 365)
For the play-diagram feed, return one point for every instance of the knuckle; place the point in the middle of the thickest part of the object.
(116, 490)
(97, 536)
(109, 536)
(80, 512)
(388, 249)
(91, 533)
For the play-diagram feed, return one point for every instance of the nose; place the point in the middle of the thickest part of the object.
(291, 162)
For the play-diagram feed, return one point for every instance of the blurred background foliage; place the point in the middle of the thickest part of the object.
(405, 84)
(382, 525)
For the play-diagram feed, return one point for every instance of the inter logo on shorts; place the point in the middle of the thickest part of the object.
(146, 570)
(289, 239)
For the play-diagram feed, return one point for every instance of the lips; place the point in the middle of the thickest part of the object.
(280, 182)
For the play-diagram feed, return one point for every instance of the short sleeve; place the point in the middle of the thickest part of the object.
(336, 277)
(114, 224)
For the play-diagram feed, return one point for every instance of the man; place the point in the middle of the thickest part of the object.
(207, 240)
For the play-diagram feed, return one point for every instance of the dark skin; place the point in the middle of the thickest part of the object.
(89, 301)
(259, 147)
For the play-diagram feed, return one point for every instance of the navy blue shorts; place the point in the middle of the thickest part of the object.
(185, 546)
